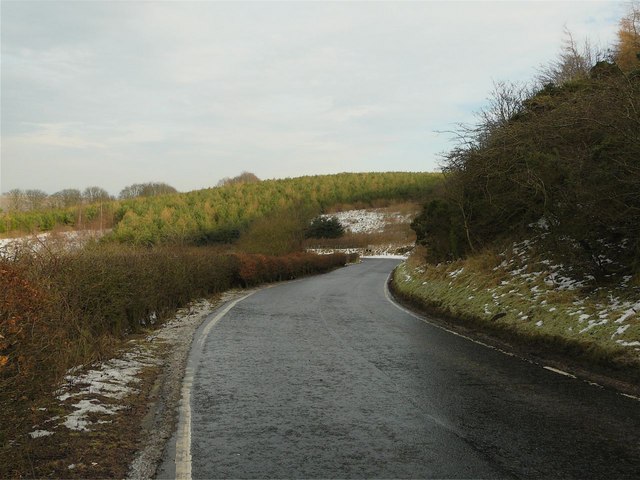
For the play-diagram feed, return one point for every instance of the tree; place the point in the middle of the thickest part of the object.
(573, 62)
(150, 189)
(325, 227)
(505, 102)
(244, 177)
(68, 197)
(35, 198)
(569, 155)
(439, 228)
(17, 200)
(627, 49)
(95, 194)
(278, 233)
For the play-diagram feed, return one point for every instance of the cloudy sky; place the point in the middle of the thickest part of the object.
(119, 92)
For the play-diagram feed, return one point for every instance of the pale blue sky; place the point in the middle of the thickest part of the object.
(120, 92)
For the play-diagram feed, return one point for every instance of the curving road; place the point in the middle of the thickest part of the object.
(326, 377)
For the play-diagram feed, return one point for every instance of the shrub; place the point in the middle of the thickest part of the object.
(569, 155)
(325, 227)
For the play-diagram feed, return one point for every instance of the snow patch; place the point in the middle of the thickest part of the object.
(102, 389)
(456, 273)
(10, 247)
(629, 313)
(77, 420)
(620, 330)
(368, 221)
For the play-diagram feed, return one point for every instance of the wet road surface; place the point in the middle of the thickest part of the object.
(325, 377)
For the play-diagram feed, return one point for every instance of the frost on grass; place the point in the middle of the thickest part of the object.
(536, 292)
(112, 379)
(455, 273)
(633, 310)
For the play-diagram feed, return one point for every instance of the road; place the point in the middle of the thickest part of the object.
(326, 377)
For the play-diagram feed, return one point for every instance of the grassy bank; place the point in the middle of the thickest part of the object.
(61, 309)
(530, 301)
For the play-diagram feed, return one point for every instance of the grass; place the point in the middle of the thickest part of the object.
(505, 294)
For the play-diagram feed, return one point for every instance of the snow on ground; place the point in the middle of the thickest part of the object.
(610, 313)
(380, 251)
(33, 243)
(94, 394)
(558, 277)
(368, 221)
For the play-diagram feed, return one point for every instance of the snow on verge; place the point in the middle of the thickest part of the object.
(99, 392)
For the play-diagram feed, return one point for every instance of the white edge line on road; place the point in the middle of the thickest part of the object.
(183, 434)
(633, 397)
(560, 372)
(387, 294)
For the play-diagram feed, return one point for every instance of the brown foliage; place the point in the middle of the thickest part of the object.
(20, 313)
(628, 46)
(58, 309)
(256, 269)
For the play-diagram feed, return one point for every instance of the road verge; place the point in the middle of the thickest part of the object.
(441, 299)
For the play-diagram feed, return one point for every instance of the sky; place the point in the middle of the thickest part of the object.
(112, 93)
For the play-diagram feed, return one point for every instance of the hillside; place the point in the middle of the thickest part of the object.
(382, 231)
(222, 214)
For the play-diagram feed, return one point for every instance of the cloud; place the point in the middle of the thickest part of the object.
(52, 135)
(188, 92)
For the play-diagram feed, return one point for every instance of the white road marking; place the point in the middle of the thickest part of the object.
(440, 327)
(633, 397)
(422, 319)
(183, 435)
(559, 372)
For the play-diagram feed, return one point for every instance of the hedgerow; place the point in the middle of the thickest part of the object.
(61, 309)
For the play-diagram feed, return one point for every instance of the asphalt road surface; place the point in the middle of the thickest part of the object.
(326, 377)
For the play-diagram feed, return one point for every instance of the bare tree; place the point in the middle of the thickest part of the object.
(572, 62)
(95, 194)
(17, 200)
(35, 198)
(244, 177)
(150, 189)
(66, 198)
(505, 102)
